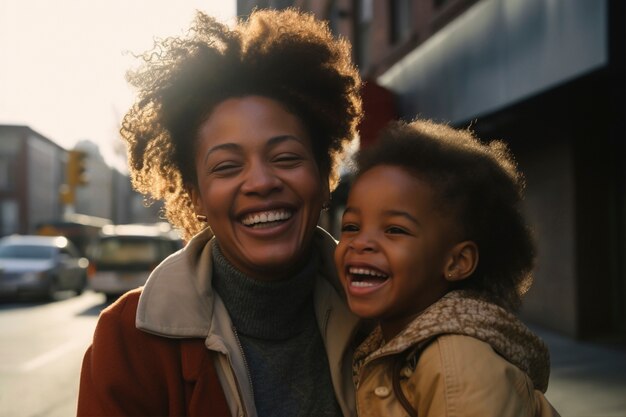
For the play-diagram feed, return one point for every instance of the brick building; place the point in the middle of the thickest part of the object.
(549, 78)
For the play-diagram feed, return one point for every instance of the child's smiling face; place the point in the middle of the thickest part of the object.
(395, 247)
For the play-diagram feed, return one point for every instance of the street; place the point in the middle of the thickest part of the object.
(586, 379)
(41, 346)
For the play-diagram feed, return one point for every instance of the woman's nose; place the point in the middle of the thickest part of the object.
(260, 179)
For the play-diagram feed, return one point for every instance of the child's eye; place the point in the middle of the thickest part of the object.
(395, 230)
(346, 228)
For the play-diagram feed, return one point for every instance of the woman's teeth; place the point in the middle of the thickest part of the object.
(265, 218)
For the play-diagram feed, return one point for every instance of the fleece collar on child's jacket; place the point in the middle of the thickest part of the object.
(458, 312)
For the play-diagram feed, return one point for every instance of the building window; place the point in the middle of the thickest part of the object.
(280, 4)
(335, 15)
(9, 217)
(364, 11)
(400, 20)
(7, 174)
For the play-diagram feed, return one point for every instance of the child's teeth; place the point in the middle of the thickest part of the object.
(362, 284)
(366, 271)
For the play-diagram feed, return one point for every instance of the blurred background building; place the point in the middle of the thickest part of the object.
(34, 171)
(31, 174)
(548, 77)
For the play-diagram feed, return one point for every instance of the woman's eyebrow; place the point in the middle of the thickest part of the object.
(282, 138)
(221, 147)
(236, 147)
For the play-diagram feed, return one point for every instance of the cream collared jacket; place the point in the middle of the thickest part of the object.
(178, 302)
(462, 357)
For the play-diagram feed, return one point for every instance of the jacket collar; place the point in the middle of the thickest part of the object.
(461, 312)
(178, 302)
(178, 299)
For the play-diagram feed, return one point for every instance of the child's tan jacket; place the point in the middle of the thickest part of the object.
(462, 356)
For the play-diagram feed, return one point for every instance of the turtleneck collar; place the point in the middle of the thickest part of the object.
(272, 310)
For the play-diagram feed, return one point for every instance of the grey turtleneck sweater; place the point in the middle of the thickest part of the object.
(277, 329)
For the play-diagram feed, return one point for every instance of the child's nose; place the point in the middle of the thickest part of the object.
(363, 243)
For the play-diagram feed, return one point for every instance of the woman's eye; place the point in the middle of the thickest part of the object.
(224, 167)
(287, 159)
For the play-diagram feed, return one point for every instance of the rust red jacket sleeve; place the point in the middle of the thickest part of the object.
(127, 372)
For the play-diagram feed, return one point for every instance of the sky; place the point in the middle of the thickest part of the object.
(63, 62)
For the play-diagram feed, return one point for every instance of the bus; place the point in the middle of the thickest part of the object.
(82, 230)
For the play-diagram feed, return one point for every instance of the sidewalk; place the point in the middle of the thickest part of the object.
(587, 379)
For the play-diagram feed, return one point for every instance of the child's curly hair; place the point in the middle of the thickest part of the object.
(286, 55)
(480, 186)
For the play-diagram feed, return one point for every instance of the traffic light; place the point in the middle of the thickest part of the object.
(76, 167)
(66, 194)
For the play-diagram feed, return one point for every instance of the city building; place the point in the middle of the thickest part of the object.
(34, 174)
(31, 174)
(549, 78)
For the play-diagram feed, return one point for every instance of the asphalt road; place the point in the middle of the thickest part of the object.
(41, 346)
(587, 379)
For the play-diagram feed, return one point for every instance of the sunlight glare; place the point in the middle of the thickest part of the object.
(64, 62)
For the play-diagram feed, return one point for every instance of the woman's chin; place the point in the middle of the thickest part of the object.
(274, 262)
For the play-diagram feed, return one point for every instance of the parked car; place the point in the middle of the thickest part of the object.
(40, 265)
(124, 255)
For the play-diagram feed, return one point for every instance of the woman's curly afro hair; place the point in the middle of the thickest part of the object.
(480, 186)
(285, 55)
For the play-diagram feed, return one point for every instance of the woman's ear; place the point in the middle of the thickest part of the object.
(326, 191)
(462, 262)
(194, 196)
(326, 181)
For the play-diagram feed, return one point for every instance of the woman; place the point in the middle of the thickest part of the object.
(239, 132)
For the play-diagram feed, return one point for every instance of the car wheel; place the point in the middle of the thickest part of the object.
(82, 285)
(52, 289)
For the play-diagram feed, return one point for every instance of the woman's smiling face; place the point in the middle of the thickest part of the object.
(259, 185)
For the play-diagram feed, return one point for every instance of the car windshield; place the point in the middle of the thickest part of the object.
(128, 250)
(26, 252)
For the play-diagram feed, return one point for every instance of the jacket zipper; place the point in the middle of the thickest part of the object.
(325, 325)
(245, 361)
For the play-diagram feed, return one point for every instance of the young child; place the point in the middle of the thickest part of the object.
(435, 248)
